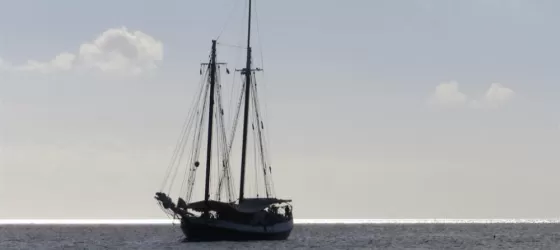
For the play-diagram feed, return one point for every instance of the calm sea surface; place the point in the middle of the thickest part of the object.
(310, 236)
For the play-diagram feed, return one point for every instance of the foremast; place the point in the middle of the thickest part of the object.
(210, 122)
(180, 207)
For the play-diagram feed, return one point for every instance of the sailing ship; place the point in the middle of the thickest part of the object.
(242, 218)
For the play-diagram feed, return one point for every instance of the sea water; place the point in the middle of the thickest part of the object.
(304, 236)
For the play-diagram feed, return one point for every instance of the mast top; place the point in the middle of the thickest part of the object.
(249, 27)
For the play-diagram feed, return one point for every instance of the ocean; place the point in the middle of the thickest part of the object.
(304, 236)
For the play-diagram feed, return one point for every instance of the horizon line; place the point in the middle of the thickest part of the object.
(296, 221)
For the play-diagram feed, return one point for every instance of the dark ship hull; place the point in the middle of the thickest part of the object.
(199, 229)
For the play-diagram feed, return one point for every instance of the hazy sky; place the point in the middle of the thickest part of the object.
(376, 109)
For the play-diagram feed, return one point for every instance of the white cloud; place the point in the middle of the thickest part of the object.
(115, 50)
(496, 96)
(448, 94)
(62, 62)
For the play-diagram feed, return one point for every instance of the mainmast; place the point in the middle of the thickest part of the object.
(248, 76)
(210, 121)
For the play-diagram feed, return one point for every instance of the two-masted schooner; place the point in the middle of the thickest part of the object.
(234, 219)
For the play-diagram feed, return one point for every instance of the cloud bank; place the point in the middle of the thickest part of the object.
(116, 50)
(498, 95)
(448, 94)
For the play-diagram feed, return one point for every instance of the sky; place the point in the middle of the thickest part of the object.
(375, 109)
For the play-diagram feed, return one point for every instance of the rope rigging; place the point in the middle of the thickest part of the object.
(182, 140)
(191, 135)
(263, 152)
(193, 128)
(225, 173)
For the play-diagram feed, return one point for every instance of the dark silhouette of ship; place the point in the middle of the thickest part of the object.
(233, 219)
